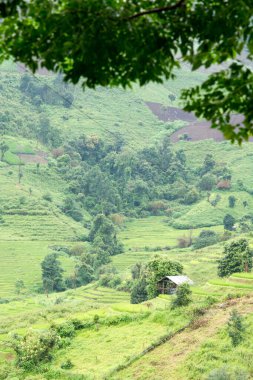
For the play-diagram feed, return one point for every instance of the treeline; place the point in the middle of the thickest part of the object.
(110, 178)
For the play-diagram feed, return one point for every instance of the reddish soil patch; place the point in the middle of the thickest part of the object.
(38, 158)
(198, 131)
(170, 113)
(201, 130)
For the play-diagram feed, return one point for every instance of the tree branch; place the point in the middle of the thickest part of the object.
(158, 10)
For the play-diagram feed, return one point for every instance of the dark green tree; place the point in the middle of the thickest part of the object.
(183, 296)
(237, 258)
(205, 238)
(139, 291)
(208, 165)
(3, 149)
(137, 271)
(236, 328)
(228, 222)
(52, 274)
(141, 41)
(231, 201)
(156, 269)
(207, 182)
(104, 229)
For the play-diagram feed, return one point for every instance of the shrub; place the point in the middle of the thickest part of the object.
(231, 201)
(228, 374)
(34, 347)
(207, 182)
(67, 364)
(47, 197)
(236, 328)
(191, 196)
(183, 296)
(109, 280)
(205, 238)
(184, 241)
(65, 330)
(228, 222)
(76, 250)
(139, 291)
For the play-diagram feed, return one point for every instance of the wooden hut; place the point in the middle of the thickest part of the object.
(169, 284)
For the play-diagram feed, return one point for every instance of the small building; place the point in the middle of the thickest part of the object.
(169, 284)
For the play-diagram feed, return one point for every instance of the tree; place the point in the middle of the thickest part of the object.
(104, 229)
(231, 201)
(208, 165)
(20, 172)
(206, 238)
(236, 328)
(137, 270)
(52, 274)
(207, 182)
(139, 291)
(19, 286)
(3, 148)
(237, 258)
(183, 296)
(157, 269)
(228, 222)
(66, 37)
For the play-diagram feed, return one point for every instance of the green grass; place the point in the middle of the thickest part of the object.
(218, 352)
(153, 232)
(231, 284)
(21, 261)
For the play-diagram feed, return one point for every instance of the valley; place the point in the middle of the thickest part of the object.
(105, 154)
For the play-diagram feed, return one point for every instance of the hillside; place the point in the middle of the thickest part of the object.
(68, 156)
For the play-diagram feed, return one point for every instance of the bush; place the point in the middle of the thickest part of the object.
(191, 196)
(67, 364)
(205, 238)
(231, 201)
(228, 374)
(236, 328)
(47, 197)
(207, 182)
(109, 280)
(34, 347)
(65, 330)
(184, 241)
(183, 296)
(139, 291)
(228, 222)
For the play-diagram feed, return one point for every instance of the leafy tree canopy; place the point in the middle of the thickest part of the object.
(117, 42)
(156, 269)
(237, 258)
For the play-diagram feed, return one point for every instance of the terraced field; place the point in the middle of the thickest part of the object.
(93, 294)
(21, 261)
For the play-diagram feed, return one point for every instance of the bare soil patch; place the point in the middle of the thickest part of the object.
(170, 113)
(39, 157)
(198, 131)
(195, 130)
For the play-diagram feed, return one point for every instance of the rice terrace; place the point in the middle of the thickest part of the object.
(126, 162)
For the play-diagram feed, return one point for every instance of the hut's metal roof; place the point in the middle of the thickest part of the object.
(178, 280)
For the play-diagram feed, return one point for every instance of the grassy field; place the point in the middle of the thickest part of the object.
(198, 350)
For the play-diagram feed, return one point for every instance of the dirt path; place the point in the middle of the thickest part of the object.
(167, 358)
